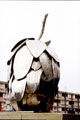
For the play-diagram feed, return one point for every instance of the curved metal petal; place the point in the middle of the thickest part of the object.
(36, 65)
(22, 62)
(36, 47)
(10, 84)
(56, 70)
(18, 44)
(9, 71)
(52, 53)
(33, 79)
(14, 52)
(18, 89)
(46, 65)
(11, 93)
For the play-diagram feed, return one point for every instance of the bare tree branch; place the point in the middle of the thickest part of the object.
(43, 26)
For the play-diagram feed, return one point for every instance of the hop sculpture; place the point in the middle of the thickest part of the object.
(33, 75)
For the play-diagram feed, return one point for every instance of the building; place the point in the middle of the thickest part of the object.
(4, 100)
(65, 102)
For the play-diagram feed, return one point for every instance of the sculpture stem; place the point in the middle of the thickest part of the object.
(43, 26)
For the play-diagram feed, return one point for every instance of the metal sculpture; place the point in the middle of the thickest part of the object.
(33, 75)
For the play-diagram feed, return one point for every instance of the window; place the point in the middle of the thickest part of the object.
(57, 101)
(5, 95)
(59, 109)
(62, 102)
(73, 96)
(69, 95)
(71, 102)
(63, 109)
(1, 94)
(76, 103)
(59, 94)
(77, 96)
(77, 110)
(67, 102)
(55, 104)
(54, 108)
(64, 94)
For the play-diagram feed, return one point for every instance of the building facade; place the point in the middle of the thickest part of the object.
(4, 100)
(65, 102)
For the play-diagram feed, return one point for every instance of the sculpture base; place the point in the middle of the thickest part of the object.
(37, 116)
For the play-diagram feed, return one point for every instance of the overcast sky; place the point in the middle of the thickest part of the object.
(23, 19)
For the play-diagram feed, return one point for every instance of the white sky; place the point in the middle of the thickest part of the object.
(21, 19)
